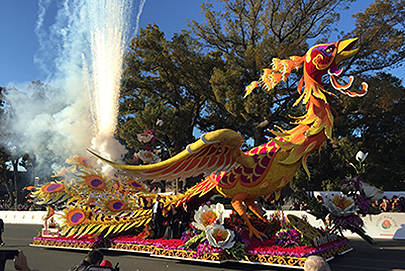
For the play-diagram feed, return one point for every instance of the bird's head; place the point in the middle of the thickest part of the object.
(319, 60)
(323, 58)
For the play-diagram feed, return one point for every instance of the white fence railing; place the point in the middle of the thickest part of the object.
(385, 225)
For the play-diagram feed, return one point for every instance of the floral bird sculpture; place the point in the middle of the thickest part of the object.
(245, 176)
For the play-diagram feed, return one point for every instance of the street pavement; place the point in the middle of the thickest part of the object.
(385, 255)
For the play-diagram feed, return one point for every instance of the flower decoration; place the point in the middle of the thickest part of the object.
(159, 122)
(134, 184)
(206, 216)
(83, 161)
(371, 192)
(136, 158)
(288, 238)
(360, 156)
(360, 168)
(95, 182)
(52, 188)
(352, 223)
(350, 185)
(75, 216)
(148, 157)
(362, 203)
(117, 205)
(111, 203)
(220, 237)
(340, 205)
(146, 136)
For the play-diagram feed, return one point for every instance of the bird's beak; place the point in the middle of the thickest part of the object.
(344, 49)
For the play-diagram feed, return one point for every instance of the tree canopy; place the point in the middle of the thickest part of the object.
(197, 79)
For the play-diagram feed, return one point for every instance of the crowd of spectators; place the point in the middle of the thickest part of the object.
(6, 204)
(394, 204)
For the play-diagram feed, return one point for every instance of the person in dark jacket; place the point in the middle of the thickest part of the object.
(94, 257)
(172, 219)
(1, 232)
(157, 216)
(185, 215)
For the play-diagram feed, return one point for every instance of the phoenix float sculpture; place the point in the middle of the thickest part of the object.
(242, 176)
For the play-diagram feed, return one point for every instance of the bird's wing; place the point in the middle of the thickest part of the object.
(214, 152)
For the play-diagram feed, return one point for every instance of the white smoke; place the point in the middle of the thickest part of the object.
(138, 16)
(45, 124)
(58, 117)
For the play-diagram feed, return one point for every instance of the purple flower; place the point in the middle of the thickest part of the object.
(351, 222)
(362, 203)
(288, 238)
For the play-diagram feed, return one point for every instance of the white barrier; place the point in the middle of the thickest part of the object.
(385, 225)
(387, 194)
(23, 217)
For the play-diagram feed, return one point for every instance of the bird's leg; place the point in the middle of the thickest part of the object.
(253, 207)
(240, 209)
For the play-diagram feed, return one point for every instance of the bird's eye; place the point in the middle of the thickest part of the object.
(329, 49)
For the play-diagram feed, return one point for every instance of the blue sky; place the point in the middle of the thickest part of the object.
(19, 43)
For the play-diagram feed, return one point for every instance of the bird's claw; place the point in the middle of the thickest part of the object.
(257, 234)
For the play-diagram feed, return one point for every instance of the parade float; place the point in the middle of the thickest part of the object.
(113, 212)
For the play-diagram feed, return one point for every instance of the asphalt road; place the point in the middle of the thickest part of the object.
(385, 255)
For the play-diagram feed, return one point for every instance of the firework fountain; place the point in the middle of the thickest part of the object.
(107, 24)
(75, 107)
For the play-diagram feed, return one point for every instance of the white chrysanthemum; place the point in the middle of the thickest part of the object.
(206, 216)
(145, 137)
(371, 192)
(218, 236)
(148, 157)
(340, 205)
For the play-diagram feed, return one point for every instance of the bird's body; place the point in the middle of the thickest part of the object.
(263, 170)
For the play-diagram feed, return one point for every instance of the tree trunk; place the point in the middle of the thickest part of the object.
(15, 175)
(259, 134)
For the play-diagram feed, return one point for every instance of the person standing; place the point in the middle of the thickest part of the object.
(157, 217)
(185, 215)
(172, 223)
(1, 232)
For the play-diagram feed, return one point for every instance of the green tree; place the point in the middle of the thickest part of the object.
(250, 34)
(200, 83)
(373, 123)
(166, 80)
(4, 154)
(380, 28)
